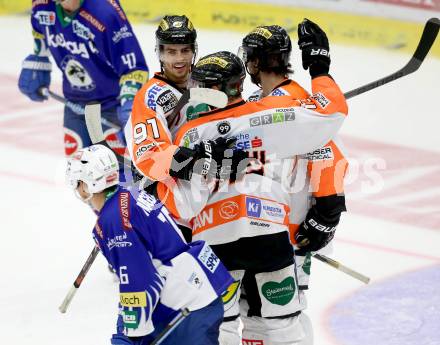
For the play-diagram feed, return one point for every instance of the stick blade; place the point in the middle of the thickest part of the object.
(212, 97)
(93, 122)
(429, 35)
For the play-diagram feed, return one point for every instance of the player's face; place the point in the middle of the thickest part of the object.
(177, 60)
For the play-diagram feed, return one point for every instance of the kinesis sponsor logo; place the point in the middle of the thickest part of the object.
(273, 211)
(253, 207)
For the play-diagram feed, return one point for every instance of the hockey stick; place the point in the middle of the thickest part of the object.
(429, 35)
(77, 283)
(94, 127)
(76, 108)
(342, 268)
(171, 326)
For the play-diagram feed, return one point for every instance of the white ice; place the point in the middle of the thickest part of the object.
(46, 232)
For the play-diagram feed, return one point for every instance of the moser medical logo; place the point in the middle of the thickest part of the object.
(323, 153)
(279, 116)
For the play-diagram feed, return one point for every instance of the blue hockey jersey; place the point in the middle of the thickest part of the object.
(95, 49)
(159, 273)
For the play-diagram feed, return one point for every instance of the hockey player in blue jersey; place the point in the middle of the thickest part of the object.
(93, 44)
(159, 273)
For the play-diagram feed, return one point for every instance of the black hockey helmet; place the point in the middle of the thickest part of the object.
(176, 30)
(270, 44)
(222, 68)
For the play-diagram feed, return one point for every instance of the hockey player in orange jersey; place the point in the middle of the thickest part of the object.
(318, 175)
(152, 123)
(250, 218)
(247, 222)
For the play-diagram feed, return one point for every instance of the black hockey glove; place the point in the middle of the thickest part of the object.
(319, 227)
(204, 159)
(315, 49)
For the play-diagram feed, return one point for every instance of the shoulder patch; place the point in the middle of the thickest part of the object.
(124, 209)
(278, 92)
(45, 17)
(321, 99)
(167, 100)
(151, 95)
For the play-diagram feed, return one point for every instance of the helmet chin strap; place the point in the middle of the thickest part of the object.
(85, 190)
(85, 200)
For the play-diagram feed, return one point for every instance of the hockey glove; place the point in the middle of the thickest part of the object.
(35, 73)
(319, 227)
(315, 49)
(204, 159)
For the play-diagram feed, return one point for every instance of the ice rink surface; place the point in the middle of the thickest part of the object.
(391, 232)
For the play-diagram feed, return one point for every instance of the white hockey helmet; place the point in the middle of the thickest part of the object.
(96, 166)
